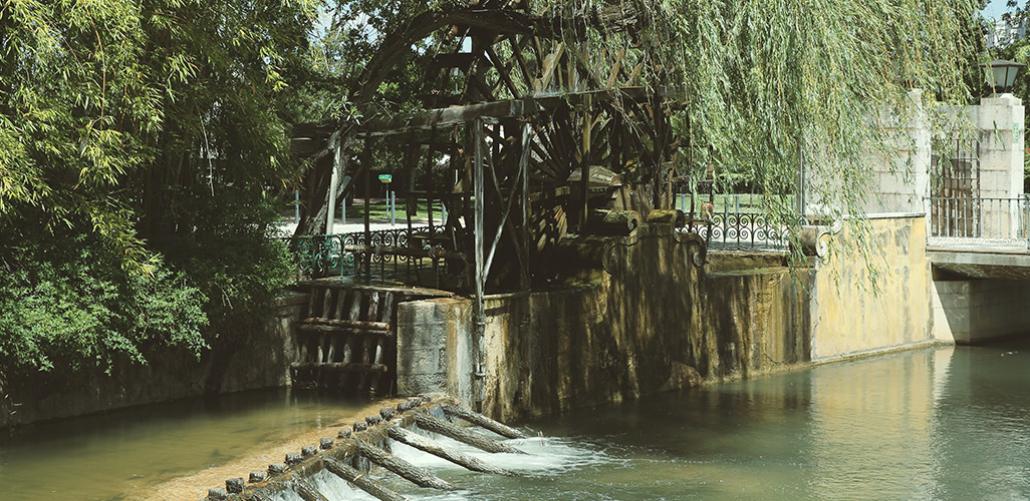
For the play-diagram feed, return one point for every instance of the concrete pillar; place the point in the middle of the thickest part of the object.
(434, 347)
(1000, 119)
(899, 179)
(1001, 123)
(901, 169)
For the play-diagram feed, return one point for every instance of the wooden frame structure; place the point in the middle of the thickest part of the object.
(526, 133)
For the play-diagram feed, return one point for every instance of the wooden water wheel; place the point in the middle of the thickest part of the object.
(530, 122)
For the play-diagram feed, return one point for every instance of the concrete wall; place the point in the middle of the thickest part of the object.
(852, 314)
(976, 311)
(261, 360)
(648, 319)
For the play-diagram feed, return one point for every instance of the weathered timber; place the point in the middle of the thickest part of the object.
(340, 367)
(260, 496)
(408, 471)
(360, 480)
(483, 421)
(437, 425)
(612, 222)
(509, 108)
(424, 444)
(357, 325)
(307, 491)
(667, 216)
(325, 328)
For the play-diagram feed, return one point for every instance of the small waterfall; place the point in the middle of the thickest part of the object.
(417, 443)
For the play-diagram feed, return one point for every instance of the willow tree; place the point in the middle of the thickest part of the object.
(771, 86)
(765, 88)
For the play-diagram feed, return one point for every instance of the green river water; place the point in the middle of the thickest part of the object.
(944, 423)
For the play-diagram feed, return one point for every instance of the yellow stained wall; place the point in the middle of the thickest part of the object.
(852, 313)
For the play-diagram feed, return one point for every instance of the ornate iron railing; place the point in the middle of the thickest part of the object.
(733, 221)
(394, 255)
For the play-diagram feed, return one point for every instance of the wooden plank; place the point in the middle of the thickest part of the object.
(433, 447)
(360, 480)
(358, 325)
(508, 108)
(437, 425)
(307, 491)
(550, 63)
(483, 421)
(340, 367)
(418, 476)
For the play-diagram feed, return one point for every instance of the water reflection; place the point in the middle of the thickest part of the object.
(948, 423)
(108, 456)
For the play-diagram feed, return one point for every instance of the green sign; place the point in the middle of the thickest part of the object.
(385, 178)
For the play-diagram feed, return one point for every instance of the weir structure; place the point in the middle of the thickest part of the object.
(366, 443)
(530, 130)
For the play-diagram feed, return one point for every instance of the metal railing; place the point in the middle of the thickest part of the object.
(735, 221)
(393, 255)
(986, 220)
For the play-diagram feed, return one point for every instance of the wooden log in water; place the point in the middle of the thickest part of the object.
(437, 425)
(360, 480)
(424, 444)
(483, 421)
(308, 492)
(408, 471)
(260, 496)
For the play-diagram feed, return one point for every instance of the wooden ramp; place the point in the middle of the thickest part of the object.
(366, 444)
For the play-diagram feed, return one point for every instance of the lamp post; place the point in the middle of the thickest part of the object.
(1003, 75)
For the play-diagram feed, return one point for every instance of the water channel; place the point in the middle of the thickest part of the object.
(942, 423)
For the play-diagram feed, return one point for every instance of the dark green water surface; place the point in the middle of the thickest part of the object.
(943, 423)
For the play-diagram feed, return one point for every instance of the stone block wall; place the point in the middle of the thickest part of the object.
(648, 319)
(977, 311)
(878, 301)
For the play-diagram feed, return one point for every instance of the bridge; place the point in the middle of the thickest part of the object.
(979, 251)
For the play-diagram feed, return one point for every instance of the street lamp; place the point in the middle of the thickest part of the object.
(1004, 74)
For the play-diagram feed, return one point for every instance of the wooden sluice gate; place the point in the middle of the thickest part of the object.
(347, 339)
(366, 444)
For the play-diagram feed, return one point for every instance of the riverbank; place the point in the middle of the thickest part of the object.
(174, 450)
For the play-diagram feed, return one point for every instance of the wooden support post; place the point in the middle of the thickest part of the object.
(584, 190)
(483, 421)
(478, 347)
(367, 161)
(408, 471)
(424, 444)
(437, 425)
(527, 141)
(308, 492)
(360, 480)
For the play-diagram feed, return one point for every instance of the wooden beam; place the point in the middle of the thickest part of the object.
(418, 476)
(437, 425)
(360, 480)
(433, 447)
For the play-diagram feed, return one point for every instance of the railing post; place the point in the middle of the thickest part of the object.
(1022, 224)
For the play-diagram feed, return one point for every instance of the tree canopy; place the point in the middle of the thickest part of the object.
(144, 143)
(141, 145)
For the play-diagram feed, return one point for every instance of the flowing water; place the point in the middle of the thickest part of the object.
(946, 423)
